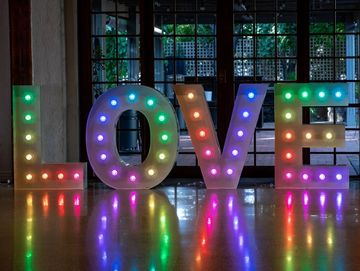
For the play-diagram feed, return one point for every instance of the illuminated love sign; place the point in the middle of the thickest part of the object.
(101, 137)
(29, 171)
(220, 169)
(291, 135)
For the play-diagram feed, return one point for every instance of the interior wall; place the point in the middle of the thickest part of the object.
(5, 92)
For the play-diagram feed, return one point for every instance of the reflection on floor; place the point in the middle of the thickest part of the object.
(180, 228)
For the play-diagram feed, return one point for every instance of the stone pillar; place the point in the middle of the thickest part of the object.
(54, 55)
(5, 98)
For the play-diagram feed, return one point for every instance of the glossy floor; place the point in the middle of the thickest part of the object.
(180, 229)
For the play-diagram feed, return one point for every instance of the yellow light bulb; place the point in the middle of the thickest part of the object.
(308, 135)
(329, 135)
(288, 115)
(29, 177)
(28, 157)
(191, 95)
(196, 115)
(151, 172)
(44, 176)
(28, 137)
(162, 156)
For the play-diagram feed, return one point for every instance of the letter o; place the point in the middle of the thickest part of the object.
(101, 137)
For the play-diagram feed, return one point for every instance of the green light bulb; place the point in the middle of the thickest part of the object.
(28, 117)
(288, 96)
(321, 94)
(161, 118)
(164, 137)
(305, 94)
(150, 102)
(28, 97)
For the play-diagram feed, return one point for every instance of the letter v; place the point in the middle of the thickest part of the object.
(221, 171)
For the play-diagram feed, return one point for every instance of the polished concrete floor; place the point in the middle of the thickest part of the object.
(180, 228)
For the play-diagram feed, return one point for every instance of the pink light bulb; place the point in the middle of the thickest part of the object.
(133, 178)
(208, 153)
(288, 175)
(76, 176)
(229, 171)
(235, 152)
(322, 176)
(305, 176)
(114, 172)
(213, 171)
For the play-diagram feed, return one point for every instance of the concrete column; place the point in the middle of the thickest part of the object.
(5, 100)
(72, 84)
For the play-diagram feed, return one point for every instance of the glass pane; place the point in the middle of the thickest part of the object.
(287, 4)
(265, 159)
(244, 23)
(206, 24)
(244, 68)
(321, 22)
(206, 68)
(185, 24)
(286, 23)
(351, 161)
(321, 45)
(206, 47)
(243, 47)
(286, 46)
(265, 23)
(164, 5)
(347, 45)
(185, 47)
(286, 69)
(265, 140)
(128, 70)
(348, 21)
(185, 5)
(164, 24)
(103, 6)
(321, 69)
(265, 46)
(163, 47)
(265, 4)
(320, 4)
(243, 5)
(265, 69)
(346, 4)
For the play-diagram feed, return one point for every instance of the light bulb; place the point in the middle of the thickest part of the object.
(235, 152)
(305, 176)
(246, 114)
(76, 176)
(321, 94)
(162, 156)
(132, 97)
(114, 172)
(229, 171)
(28, 137)
(44, 176)
(60, 176)
(132, 178)
(288, 115)
(150, 102)
(202, 133)
(113, 102)
(102, 118)
(191, 95)
(28, 97)
(207, 152)
(338, 177)
(161, 118)
(308, 135)
(28, 117)
(288, 175)
(240, 133)
(329, 135)
(322, 176)
(251, 95)
(103, 156)
(164, 137)
(305, 94)
(196, 115)
(28, 157)
(288, 96)
(29, 177)
(338, 94)
(151, 172)
(213, 171)
(289, 155)
(288, 136)
(100, 138)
